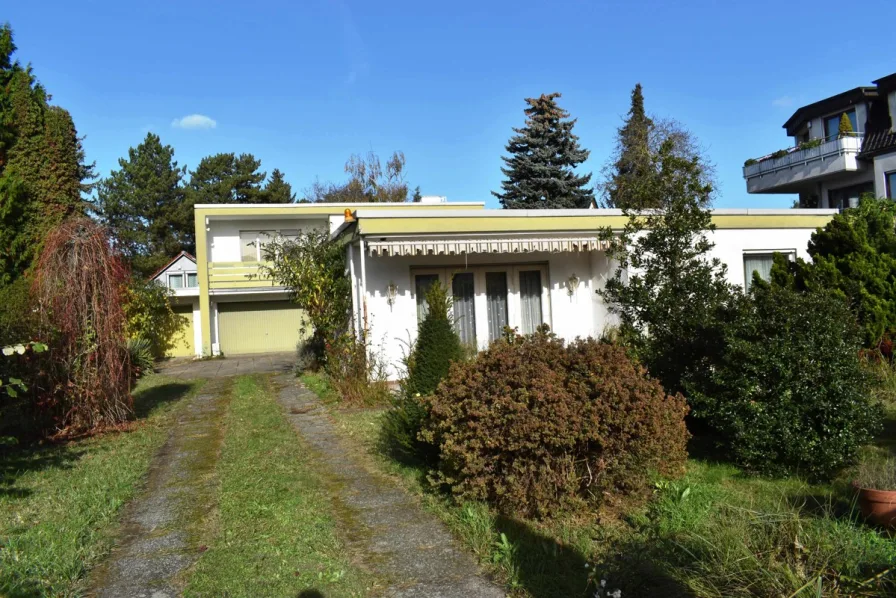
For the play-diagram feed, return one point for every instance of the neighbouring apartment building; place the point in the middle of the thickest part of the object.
(830, 169)
(517, 268)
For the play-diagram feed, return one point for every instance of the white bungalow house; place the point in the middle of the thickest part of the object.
(505, 267)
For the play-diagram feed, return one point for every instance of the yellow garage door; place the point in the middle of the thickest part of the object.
(182, 344)
(259, 327)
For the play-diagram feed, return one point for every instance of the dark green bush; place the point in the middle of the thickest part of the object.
(854, 256)
(428, 362)
(533, 426)
(788, 393)
(18, 319)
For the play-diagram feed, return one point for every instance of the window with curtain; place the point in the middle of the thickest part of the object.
(192, 279)
(496, 303)
(252, 243)
(422, 282)
(891, 184)
(464, 312)
(175, 281)
(289, 235)
(757, 262)
(530, 300)
(832, 124)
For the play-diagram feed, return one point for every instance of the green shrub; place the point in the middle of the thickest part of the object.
(779, 154)
(437, 344)
(750, 162)
(18, 319)
(150, 317)
(534, 426)
(854, 256)
(427, 364)
(140, 353)
(789, 392)
(844, 128)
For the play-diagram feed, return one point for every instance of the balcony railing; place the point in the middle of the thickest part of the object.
(837, 146)
(237, 275)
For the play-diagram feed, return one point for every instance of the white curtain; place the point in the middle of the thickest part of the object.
(464, 313)
(496, 301)
(757, 262)
(530, 300)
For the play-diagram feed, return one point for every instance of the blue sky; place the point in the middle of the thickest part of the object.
(302, 85)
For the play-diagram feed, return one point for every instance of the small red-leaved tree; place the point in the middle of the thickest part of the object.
(80, 283)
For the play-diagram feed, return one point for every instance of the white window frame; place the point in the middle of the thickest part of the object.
(514, 318)
(178, 275)
(187, 276)
(274, 234)
(789, 253)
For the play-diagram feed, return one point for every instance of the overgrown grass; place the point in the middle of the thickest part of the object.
(715, 533)
(275, 535)
(59, 504)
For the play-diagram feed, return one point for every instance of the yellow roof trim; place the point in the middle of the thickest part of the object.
(317, 209)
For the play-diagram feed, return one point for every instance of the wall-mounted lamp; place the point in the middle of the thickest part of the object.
(391, 293)
(572, 284)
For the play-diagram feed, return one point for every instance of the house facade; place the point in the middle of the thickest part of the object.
(514, 268)
(181, 276)
(825, 167)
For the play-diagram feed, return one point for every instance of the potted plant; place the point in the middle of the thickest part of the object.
(876, 486)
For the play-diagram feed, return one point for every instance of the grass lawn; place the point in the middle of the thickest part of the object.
(714, 533)
(59, 504)
(274, 535)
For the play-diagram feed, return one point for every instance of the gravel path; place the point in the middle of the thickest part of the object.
(162, 527)
(387, 528)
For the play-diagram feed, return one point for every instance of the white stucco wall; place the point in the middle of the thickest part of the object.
(730, 245)
(224, 235)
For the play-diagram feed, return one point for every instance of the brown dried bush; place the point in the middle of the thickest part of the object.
(80, 285)
(534, 426)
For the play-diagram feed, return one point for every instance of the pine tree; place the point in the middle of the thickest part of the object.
(42, 169)
(844, 129)
(543, 156)
(143, 206)
(630, 185)
(277, 190)
(226, 178)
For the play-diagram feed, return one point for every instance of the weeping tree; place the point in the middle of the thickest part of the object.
(80, 283)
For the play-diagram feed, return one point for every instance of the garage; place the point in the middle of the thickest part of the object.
(182, 344)
(259, 327)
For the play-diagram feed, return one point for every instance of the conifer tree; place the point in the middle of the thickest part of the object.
(143, 206)
(277, 190)
(543, 155)
(631, 183)
(226, 178)
(42, 169)
(844, 129)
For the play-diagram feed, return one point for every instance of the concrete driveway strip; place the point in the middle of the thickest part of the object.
(389, 530)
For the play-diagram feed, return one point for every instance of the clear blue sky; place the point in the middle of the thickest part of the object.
(304, 84)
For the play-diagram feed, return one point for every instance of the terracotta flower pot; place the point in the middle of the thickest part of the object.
(878, 506)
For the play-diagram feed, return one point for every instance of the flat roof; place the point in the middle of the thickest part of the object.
(400, 222)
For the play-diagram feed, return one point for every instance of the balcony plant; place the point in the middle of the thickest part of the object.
(779, 154)
(875, 484)
(812, 143)
(750, 162)
(845, 128)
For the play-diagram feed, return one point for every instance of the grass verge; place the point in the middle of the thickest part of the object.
(275, 535)
(59, 504)
(714, 533)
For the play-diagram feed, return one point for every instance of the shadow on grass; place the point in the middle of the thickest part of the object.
(310, 594)
(150, 399)
(18, 460)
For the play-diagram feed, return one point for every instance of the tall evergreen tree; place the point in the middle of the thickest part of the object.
(143, 205)
(543, 155)
(226, 178)
(630, 178)
(631, 185)
(277, 190)
(42, 168)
